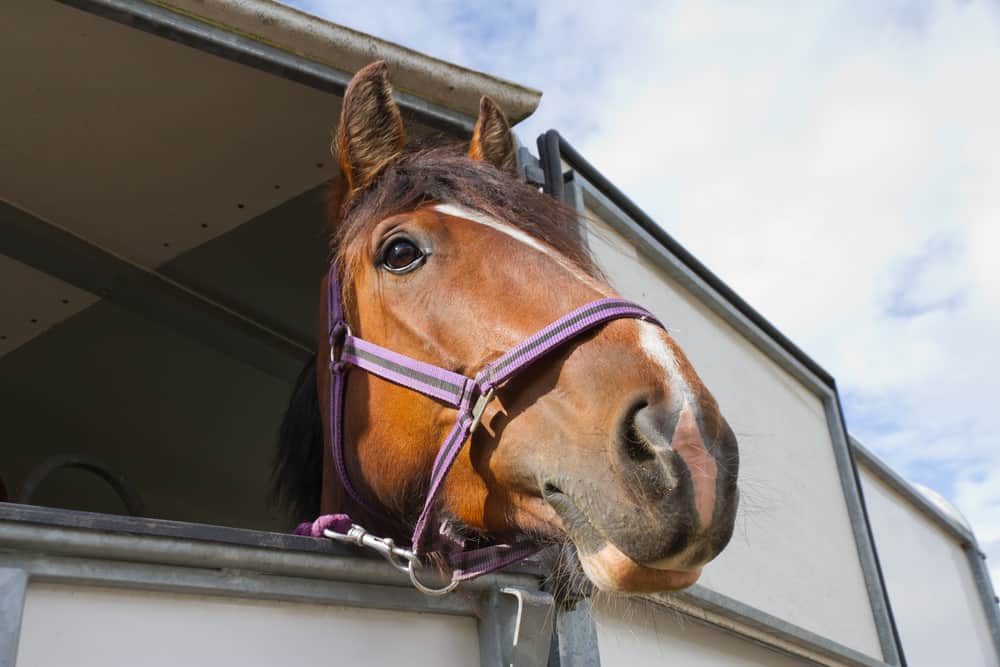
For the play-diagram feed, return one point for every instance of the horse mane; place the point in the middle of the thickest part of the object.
(297, 471)
(421, 175)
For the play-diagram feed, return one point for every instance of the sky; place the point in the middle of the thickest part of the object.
(837, 163)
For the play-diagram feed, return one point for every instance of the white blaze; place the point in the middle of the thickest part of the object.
(651, 338)
(521, 236)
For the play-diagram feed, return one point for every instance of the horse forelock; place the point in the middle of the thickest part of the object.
(425, 176)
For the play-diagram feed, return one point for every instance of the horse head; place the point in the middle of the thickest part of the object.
(609, 442)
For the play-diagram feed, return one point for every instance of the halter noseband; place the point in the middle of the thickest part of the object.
(469, 396)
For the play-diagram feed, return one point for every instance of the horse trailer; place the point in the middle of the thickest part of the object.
(163, 167)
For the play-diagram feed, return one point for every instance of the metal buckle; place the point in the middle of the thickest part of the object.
(337, 339)
(392, 553)
(480, 408)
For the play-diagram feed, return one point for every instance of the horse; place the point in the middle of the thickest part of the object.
(610, 444)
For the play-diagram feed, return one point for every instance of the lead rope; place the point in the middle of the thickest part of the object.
(469, 396)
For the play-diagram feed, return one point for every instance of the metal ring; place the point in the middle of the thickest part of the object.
(452, 585)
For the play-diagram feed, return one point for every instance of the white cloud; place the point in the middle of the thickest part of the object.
(839, 164)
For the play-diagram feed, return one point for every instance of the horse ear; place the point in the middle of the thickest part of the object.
(492, 139)
(371, 130)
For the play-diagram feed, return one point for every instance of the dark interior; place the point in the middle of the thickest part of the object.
(136, 145)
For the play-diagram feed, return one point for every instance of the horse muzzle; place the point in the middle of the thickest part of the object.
(665, 506)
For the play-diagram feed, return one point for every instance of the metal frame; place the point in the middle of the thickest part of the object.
(39, 548)
(69, 532)
(965, 538)
(592, 188)
(52, 518)
(39, 544)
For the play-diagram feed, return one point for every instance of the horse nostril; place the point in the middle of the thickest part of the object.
(550, 489)
(637, 448)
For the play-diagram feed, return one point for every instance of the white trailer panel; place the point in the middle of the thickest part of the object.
(66, 624)
(635, 632)
(931, 586)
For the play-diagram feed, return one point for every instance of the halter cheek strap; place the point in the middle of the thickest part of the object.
(469, 396)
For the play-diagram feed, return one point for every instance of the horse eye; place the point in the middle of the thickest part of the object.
(401, 256)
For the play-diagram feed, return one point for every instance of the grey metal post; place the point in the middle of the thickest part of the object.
(515, 628)
(981, 575)
(13, 587)
(577, 636)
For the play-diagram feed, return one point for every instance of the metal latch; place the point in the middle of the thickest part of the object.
(532, 628)
(517, 630)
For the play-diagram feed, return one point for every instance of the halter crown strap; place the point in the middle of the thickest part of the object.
(337, 328)
(468, 395)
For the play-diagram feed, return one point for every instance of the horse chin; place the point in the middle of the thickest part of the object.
(606, 566)
(611, 570)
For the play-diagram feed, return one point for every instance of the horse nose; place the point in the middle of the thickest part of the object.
(663, 453)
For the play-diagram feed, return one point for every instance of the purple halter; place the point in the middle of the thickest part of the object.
(469, 396)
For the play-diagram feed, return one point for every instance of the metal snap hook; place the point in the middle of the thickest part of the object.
(381, 545)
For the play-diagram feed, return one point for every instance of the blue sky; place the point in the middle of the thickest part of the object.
(838, 163)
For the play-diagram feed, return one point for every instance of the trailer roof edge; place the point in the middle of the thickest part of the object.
(337, 46)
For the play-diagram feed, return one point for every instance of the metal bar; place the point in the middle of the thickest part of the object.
(60, 253)
(198, 532)
(864, 539)
(333, 565)
(13, 587)
(245, 50)
(230, 583)
(987, 596)
(551, 159)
